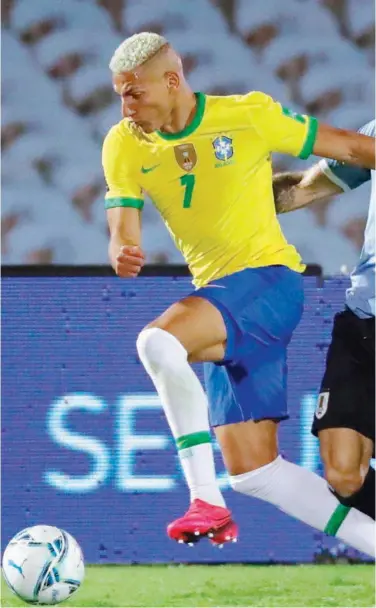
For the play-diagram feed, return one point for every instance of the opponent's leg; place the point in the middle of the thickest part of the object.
(257, 472)
(345, 415)
(346, 456)
(164, 348)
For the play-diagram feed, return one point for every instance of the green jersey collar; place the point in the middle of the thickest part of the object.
(200, 109)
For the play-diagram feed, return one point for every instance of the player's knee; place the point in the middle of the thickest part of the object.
(254, 481)
(239, 483)
(159, 349)
(344, 481)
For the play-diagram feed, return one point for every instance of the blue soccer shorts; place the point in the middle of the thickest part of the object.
(261, 307)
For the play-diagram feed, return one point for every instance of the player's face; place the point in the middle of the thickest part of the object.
(145, 100)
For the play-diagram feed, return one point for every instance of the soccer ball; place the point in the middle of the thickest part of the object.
(43, 565)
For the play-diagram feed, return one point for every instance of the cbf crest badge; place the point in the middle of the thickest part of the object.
(186, 156)
(223, 148)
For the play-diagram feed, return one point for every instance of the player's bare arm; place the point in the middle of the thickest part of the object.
(125, 251)
(296, 190)
(345, 146)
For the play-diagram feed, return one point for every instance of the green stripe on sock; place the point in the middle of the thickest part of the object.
(336, 520)
(188, 441)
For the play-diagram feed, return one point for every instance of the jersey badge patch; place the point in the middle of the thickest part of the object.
(322, 405)
(223, 148)
(186, 156)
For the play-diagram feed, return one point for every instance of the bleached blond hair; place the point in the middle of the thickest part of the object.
(134, 51)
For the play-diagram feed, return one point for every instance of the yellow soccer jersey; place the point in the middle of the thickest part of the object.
(212, 182)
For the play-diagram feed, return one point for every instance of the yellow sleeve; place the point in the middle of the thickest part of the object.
(283, 130)
(120, 172)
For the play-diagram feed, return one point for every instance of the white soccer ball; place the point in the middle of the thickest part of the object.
(43, 565)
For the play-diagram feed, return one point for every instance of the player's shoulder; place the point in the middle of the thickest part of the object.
(252, 99)
(119, 132)
(257, 99)
(120, 138)
(246, 110)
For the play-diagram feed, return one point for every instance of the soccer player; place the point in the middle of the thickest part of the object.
(205, 162)
(345, 416)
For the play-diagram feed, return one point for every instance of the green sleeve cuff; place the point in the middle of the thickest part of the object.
(136, 203)
(309, 143)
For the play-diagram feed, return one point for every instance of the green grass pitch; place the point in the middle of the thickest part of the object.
(228, 585)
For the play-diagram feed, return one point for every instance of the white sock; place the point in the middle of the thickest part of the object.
(186, 409)
(306, 496)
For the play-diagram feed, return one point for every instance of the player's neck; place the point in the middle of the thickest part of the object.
(182, 114)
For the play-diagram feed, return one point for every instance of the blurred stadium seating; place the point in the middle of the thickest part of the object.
(316, 56)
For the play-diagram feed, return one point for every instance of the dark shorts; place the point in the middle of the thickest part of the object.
(261, 307)
(347, 394)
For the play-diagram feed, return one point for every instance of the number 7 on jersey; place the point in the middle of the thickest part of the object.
(188, 182)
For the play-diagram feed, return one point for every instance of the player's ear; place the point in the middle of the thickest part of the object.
(173, 80)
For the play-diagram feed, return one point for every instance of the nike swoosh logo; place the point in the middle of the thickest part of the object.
(219, 286)
(148, 169)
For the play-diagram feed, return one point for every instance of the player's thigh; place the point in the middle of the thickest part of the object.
(344, 450)
(252, 388)
(346, 456)
(197, 324)
(347, 394)
(206, 355)
(259, 307)
(247, 446)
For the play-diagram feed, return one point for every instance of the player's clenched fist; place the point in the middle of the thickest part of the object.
(129, 261)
